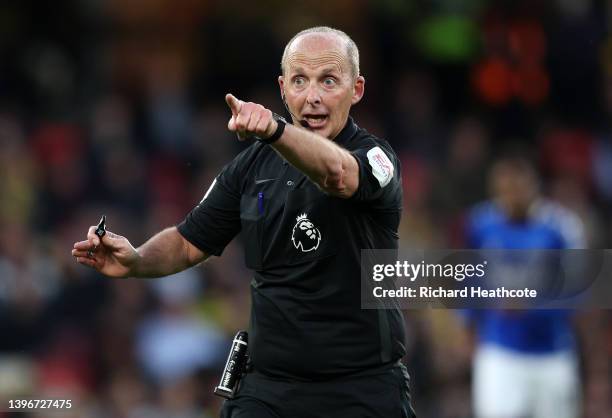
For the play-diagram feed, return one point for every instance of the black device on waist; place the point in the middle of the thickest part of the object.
(235, 366)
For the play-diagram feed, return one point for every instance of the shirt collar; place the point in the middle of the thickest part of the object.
(347, 132)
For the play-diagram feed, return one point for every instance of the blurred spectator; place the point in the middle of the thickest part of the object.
(525, 362)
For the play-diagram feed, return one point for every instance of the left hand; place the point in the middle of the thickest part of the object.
(249, 119)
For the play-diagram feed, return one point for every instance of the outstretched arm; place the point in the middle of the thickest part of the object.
(165, 253)
(332, 167)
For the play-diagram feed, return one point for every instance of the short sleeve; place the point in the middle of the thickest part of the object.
(215, 221)
(379, 174)
(567, 224)
(572, 231)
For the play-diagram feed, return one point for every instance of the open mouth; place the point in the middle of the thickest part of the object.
(315, 121)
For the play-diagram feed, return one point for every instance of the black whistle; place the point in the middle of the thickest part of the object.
(234, 367)
(101, 229)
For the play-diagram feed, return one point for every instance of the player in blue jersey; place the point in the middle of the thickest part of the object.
(525, 362)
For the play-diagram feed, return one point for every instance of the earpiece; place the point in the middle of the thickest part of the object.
(302, 122)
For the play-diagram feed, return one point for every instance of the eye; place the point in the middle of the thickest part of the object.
(329, 81)
(299, 81)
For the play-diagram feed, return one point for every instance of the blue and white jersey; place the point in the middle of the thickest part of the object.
(548, 226)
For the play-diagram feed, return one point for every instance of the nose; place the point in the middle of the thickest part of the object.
(314, 97)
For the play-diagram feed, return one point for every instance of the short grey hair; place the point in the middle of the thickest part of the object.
(352, 52)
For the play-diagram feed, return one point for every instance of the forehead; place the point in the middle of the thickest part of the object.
(318, 50)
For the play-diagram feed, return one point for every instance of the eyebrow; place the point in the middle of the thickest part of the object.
(325, 71)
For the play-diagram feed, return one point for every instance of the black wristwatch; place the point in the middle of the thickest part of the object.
(280, 128)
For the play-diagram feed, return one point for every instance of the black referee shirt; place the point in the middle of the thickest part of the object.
(304, 247)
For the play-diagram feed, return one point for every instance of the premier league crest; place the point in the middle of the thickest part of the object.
(305, 235)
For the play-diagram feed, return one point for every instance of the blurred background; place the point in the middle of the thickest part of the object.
(117, 108)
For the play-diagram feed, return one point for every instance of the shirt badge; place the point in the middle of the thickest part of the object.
(382, 168)
(305, 235)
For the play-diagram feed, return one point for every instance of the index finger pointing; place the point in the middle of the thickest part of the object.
(234, 104)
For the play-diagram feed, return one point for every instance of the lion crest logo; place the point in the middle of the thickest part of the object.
(305, 235)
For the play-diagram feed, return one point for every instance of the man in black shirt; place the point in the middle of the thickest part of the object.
(307, 198)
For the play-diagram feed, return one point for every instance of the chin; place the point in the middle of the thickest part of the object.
(323, 131)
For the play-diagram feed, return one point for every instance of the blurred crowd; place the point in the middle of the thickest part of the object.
(116, 108)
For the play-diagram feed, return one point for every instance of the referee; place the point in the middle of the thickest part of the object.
(307, 197)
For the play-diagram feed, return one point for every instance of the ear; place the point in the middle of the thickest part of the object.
(281, 85)
(358, 90)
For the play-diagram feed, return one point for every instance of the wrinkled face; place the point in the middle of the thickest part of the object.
(318, 85)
